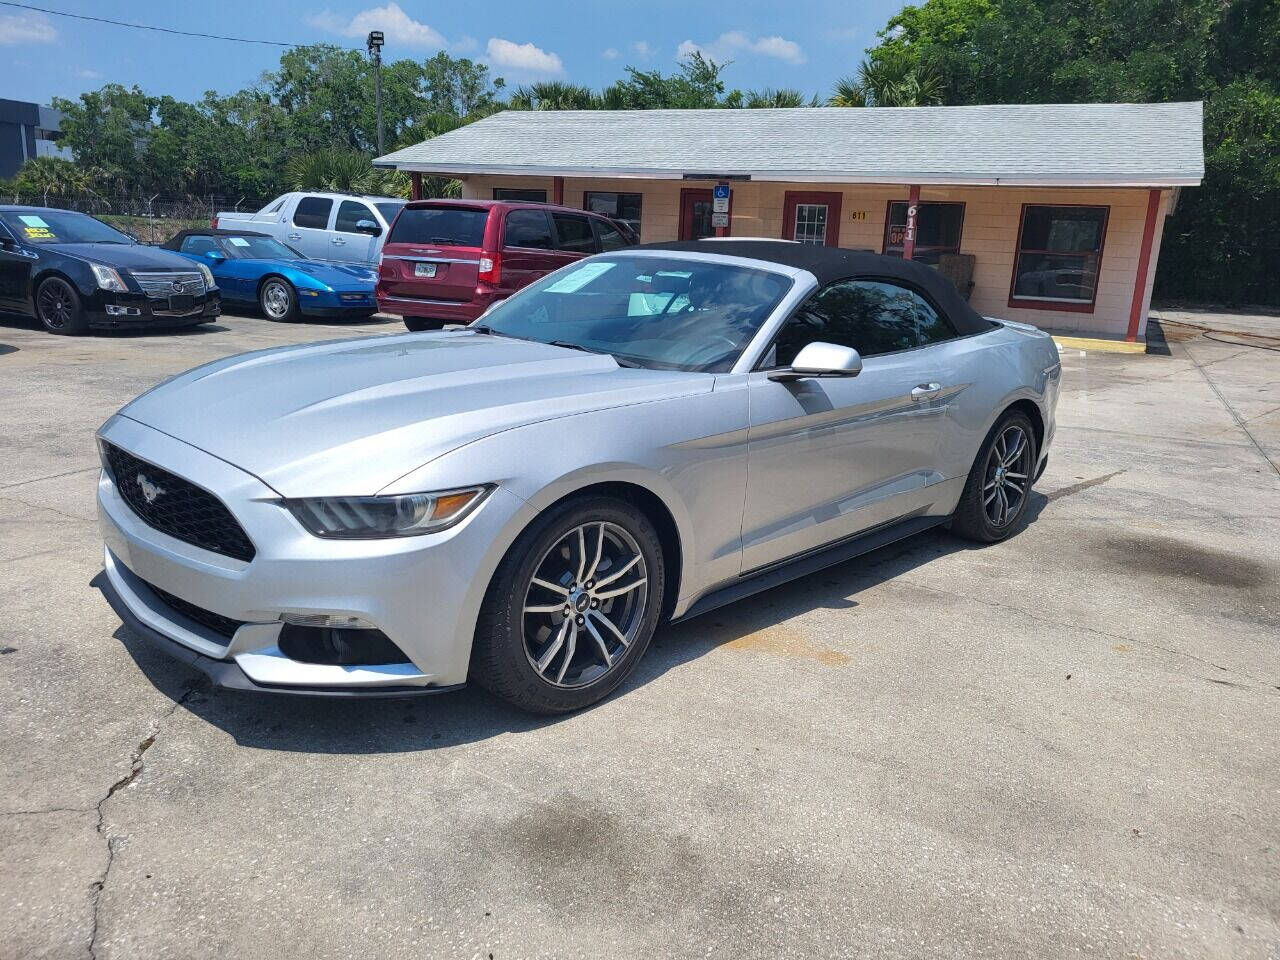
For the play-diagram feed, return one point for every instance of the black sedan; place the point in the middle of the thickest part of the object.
(74, 273)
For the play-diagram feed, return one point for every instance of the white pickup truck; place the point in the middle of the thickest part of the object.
(322, 226)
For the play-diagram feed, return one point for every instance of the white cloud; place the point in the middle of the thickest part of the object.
(401, 29)
(843, 33)
(642, 49)
(20, 28)
(524, 57)
(464, 45)
(88, 74)
(735, 42)
(611, 53)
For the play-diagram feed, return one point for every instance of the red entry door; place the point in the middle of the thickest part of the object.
(695, 214)
(811, 217)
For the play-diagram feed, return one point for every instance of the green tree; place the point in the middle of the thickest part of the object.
(1220, 243)
(108, 128)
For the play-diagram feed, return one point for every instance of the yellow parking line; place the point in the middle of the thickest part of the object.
(1101, 346)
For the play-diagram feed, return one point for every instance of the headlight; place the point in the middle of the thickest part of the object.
(370, 518)
(209, 282)
(107, 278)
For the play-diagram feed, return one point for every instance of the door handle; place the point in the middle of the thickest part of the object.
(926, 391)
(295, 236)
(338, 240)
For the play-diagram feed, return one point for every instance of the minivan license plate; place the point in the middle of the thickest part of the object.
(424, 269)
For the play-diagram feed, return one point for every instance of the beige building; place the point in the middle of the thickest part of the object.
(1054, 211)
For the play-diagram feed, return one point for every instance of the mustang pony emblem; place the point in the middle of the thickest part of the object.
(151, 492)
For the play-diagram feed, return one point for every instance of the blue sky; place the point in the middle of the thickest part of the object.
(804, 43)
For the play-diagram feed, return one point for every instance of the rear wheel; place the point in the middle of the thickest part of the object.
(995, 495)
(278, 300)
(419, 324)
(572, 607)
(59, 309)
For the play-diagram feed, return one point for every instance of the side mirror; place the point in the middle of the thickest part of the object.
(369, 227)
(215, 257)
(819, 359)
(8, 243)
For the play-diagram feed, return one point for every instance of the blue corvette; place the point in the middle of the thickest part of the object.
(255, 268)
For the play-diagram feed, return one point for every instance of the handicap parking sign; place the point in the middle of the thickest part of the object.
(720, 192)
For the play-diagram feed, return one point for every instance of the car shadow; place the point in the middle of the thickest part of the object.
(428, 722)
(7, 348)
(18, 322)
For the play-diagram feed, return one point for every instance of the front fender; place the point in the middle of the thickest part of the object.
(690, 452)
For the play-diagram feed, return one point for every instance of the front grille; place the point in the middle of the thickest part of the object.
(177, 507)
(163, 284)
(355, 298)
(223, 626)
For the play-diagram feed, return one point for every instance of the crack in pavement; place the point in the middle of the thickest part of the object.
(136, 766)
(1240, 422)
(52, 476)
(1082, 485)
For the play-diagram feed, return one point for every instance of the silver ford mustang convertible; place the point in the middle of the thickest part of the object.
(638, 438)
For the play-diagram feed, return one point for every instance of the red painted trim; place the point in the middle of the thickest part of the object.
(913, 209)
(415, 185)
(687, 197)
(1144, 264)
(888, 216)
(793, 197)
(1066, 306)
(557, 191)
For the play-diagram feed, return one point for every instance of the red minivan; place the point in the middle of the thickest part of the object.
(446, 261)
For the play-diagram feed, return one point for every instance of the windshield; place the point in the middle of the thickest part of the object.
(257, 248)
(389, 208)
(652, 311)
(60, 226)
(457, 226)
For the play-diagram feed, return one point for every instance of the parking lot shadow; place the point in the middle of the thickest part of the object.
(342, 726)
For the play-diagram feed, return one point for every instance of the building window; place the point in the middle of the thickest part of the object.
(810, 217)
(938, 229)
(623, 207)
(519, 196)
(1059, 256)
(811, 223)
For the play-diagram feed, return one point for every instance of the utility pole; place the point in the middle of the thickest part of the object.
(375, 51)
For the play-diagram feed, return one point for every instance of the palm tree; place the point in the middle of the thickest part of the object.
(552, 95)
(51, 176)
(889, 83)
(336, 169)
(768, 97)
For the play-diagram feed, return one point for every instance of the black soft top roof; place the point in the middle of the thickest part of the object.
(829, 264)
(175, 242)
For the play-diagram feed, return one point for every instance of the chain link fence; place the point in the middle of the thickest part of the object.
(151, 219)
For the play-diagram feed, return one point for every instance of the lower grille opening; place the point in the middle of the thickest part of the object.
(223, 626)
(338, 646)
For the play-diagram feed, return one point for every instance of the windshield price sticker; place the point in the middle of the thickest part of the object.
(580, 277)
(35, 228)
(238, 241)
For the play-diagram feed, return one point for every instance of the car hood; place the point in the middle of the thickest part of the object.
(123, 256)
(336, 275)
(349, 417)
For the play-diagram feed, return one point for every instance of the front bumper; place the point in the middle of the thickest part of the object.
(423, 593)
(339, 303)
(113, 310)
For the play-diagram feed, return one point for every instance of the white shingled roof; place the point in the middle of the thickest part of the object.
(1079, 144)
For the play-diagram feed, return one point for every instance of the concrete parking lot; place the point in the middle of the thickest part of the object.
(1064, 745)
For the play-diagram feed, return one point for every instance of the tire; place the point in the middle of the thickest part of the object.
(419, 324)
(546, 662)
(999, 485)
(59, 309)
(278, 300)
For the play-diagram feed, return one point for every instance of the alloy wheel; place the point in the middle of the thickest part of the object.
(56, 304)
(275, 300)
(584, 604)
(1008, 475)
